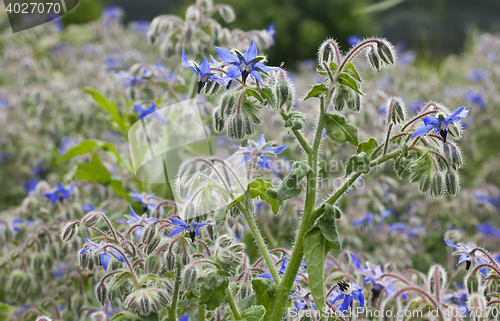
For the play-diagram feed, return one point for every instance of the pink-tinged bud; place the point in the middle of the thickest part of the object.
(477, 302)
(144, 305)
(472, 282)
(91, 219)
(189, 278)
(373, 59)
(43, 318)
(170, 261)
(163, 297)
(437, 280)
(149, 234)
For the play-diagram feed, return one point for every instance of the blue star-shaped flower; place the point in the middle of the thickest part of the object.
(475, 98)
(128, 80)
(203, 72)
(245, 65)
(264, 150)
(488, 230)
(104, 256)
(368, 219)
(470, 258)
(14, 224)
(143, 112)
(353, 40)
(348, 293)
(149, 201)
(134, 219)
(193, 228)
(281, 271)
(459, 299)
(440, 124)
(184, 318)
(477, 75)
(60, 193)
(113, 13)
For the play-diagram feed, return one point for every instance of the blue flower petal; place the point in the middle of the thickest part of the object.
(422, 131)
(251, 53)
(104, 260)
(177, 230)
(226, 56)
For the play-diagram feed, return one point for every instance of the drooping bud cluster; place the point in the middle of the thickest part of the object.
(381, 53)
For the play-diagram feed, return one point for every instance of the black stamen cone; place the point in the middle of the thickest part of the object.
(244, 75)
(201, 84)
(443, 133)
(144, 209)
(192, 235)
(467, 265)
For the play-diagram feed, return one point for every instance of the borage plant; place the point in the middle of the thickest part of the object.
(172, 265)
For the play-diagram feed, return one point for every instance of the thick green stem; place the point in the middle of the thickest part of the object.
(283, 292)
(260, 242)
(232, 304)
(201, 312)
(172, 314)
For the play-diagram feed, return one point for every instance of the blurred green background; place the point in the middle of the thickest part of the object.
(433, 28)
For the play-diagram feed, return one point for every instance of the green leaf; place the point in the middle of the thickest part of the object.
(268, 95)
(347, 80)
(117, 187)
(89, 146)
(220, 218)
(213, 296)
(368, 146)
(253, 93)
(333, 67)
(119, 280)
(328, 226)
(264, 291)
(109, 107)
(94, 171)
(315, 249)
(254, 313)
(246, 303)
(258, 188)
(125, 316)
(359, 163)
(6, 310)
(340, 130)
(181, 89)
(289, 187)
(351, 70)
(316, 91)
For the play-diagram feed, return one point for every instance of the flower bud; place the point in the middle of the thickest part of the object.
(245, 290)
(185, 259)
(189, 278)
(284, 93)
(455, 130)
(99, 316)
(385, 52)
(437, 186)
(227, 104)
(152, 265)
(354, 101)
(398, 114)
(477, 302)
(236, 127)
(341, 97)
(237, 247)
(453, 154)
(43, 318)
(101, 292)
(163, 298)
(170, 261)
(68, 314)
(472, 282)
(68, 232)
(78, 301)
(425, 181)
(16, 279)
(144, 304)
(296, 120)
(225, 241)
(91, 219)
(227, 13)
(53, 250)
(153, 245)
(42, 188)
(38, 261)
(326, 52)
(452, 185)
(148, 234)
(373, 59)
(210, 231)
(84, 259)
(437, 280)
(218, 121)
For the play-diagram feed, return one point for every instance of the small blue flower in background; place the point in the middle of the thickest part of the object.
(488, 230)
(134, 219)
(60, 270)
(142, 26)
(349, 292)
(387, 213)
(164, 73)
(143, 112)
(477, 75)
(60, 194)
(495, 201)
(398, 227)
(271, 30)
(372, 274)
(368, 219)
(416, 231)
(440, 124)
(128, 80)
(469, 258)
(246, 65)
(302, 304)
(184, 318)
(113, 62)
(475, 98)
(281, 271)
(113, 13)
(89, 207)
(259, 206)
(14, 224)
(203, 72)
(416, 105)
(459, 299)
(264, 150)
(148, 201)
(3, 103)
(405, 57)
(309, 64)
(353, 40)
(193, 227)
(31, 185)
(104, 257)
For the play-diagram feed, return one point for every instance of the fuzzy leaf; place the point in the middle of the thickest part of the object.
(316, 91)
(258, 188)
(359, 163)
(264, 291)
(253, 93)
(254, 313)
(289, 187)
(109, 106)
(126, 316)
(246, 303)
(328, 226)
(94, 171)
(268, 95)
(368, 146)
(351, 70)
(6, 310)
(119, 280)
(346, 79)
(213, 297)
(340, 130)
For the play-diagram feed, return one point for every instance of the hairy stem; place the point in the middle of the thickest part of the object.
(232, 304)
